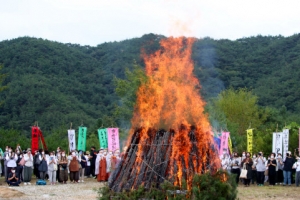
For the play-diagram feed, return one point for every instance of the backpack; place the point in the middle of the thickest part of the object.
(41, 182)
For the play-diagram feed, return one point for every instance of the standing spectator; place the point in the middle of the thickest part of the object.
(88, 164)
(272, 169)
(28, 167)
(58, 157)
(279, 169)
(93, 157)
(73, 167)
(287, 169)
(248, 163)
(225, 162)
(52, 167)
(297, 167)
(12, 179)
(235, 166)
(254, 172)
(7, 152)
(63, 168)
(83, 166)
(43, 167)
(260, 169)
(20, 162)
(36, 162)
(11, 158)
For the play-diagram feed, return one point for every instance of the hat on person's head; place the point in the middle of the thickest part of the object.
(87, 152)
(28, 149)
(289, 152)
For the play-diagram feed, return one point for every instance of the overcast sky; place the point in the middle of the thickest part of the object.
(92, 22)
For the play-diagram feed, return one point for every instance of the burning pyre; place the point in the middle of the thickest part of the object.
(169, 100)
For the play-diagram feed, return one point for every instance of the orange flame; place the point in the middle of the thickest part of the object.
(171, 100)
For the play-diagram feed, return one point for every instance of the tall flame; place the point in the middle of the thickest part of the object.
(170, 100)
(171, 96)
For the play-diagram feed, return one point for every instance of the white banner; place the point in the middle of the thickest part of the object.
(277, 143)
(285, 137)
(72, 139)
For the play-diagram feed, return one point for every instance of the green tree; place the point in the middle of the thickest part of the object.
(126, 89)
(2, 77)
(238, 109)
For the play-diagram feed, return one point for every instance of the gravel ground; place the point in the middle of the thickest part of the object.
(69, 191)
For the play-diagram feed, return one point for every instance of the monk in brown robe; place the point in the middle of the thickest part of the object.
(102, 169)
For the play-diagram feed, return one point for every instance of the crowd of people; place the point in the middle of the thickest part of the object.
(273, 169)
(58, 166)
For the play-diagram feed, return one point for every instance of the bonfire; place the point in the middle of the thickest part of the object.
(171, 138)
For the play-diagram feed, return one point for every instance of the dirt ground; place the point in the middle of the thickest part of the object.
(88, 190)
(268, 192)
(69, 191)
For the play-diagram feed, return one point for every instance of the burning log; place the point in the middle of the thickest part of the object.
(154, 157)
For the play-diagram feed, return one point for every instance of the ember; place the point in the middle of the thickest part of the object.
(169, 100)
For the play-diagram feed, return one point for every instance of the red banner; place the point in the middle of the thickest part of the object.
(35, 132)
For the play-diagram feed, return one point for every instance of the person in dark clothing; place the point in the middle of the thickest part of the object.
(287, 169)
(92, 158)
(272, 169)
(12, 179)
(248, 163)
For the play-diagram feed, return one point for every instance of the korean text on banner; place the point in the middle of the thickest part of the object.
(249, 140)
(35, 133)
(82, 138)
(113, 139)
(285, 140)
(230, 145)
(72, 139)
(102, 135)
(224, 143)
(277, 143)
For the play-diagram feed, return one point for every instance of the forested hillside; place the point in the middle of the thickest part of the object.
(55, 83)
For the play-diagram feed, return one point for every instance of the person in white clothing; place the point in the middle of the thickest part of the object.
(28, 166)
(11, 158)
(297, 167)
(52, 168)
(235, 166)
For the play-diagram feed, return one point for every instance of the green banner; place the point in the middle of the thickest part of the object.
(82, 138)
(102, 135)
(1, 154)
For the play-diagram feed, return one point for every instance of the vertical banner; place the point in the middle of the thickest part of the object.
(82, 138)
(277, 143)
(102, 135)
(72, 139)
(285, 140)
(217, 141)
(224, 143)
(230, 145)
(113, 139)
(299, 142)
(249, 140)
(34, 138)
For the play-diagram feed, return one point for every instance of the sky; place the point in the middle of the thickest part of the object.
(93, 22)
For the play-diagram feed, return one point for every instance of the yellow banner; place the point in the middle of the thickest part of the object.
(249, 140)
(230, 144)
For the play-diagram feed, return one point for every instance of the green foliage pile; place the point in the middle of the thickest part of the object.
(206, 187)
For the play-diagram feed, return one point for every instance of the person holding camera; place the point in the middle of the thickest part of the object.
(279, 169)
(260, 169)
(11, 158)
(43, 167)
(235, 166)
(297, 167)
(287, 169)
